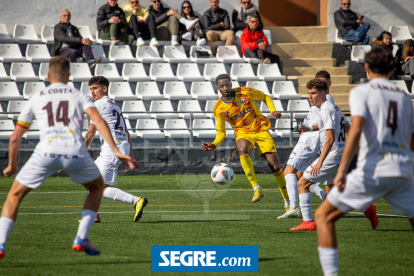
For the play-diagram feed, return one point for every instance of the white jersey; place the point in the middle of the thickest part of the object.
(330, 99)
(386, 135)
(311, 138)
(112, 114)
(59, 111)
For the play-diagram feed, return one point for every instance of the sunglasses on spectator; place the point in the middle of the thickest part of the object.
(346, 4)
(246, 3)
(156, 1)
(186, 7)
(134, 2)
(254, 21)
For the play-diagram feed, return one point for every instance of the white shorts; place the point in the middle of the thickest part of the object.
(326, 173)
(108, 166)
(301, 157)
(360, 192)
(39, 167)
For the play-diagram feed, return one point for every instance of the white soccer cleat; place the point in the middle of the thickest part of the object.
(291, 214)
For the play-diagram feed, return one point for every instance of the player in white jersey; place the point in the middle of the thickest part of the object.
(107, 162)
(59, 111)
(383, 124)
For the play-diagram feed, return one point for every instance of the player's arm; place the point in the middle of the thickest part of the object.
(129, 139)
(261, 96)
(330, 140)
(90, 134)
(304, 128)
(221, 134)
(14, 147)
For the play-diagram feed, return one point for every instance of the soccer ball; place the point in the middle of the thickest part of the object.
(222, 174)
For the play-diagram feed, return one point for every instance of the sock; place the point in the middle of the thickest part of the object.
(6, 225)
(329, 260)
(315, 189)
(88, 219)
(281, 182)
(183, 20)
(292, 189)
(257, 187)
(248, 169)
(174, 37)
(118, 195)
(305, 203)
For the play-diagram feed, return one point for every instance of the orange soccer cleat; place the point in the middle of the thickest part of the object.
(371, 214)
(305, 226)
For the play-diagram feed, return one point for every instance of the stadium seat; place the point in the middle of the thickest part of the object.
(37, 53)
(11, 53)
(108, 70)
(176, 128)
(176, 90)
(203, 90)
(148, 54)
(9, 92)
(283, 128)
(358, 52)
(242, 72)
(340, 40)
(299, 105)
(72, 85)
(15, 107)
(164, 107)
(400, 34)
(134, 110)
(25, 34)
(161, 72)
(3, 116)
(148, 91)
(22, 72)
(234, 84)
(189, 72)
(133, 72)
(209, 108)
(120, 91)
(80, 72)
(4, 35)
(279, 107)
(190, 106)
(31, 88)
(121, 54)
(104, 42)
(148, 128)
(395, 49)
(97, 51)
(46, 34)
(204, 48)
(85, 32)
(33, 132)
(3, 74)
(6, 129)
(228, 54)
(43, 69)
(269, 72)
(85, 88)
(204, 128)
(212, 70)
(400, 84)
(132, 133)
(260, 85)
(285, 90)
(175, 54)
(251, 60)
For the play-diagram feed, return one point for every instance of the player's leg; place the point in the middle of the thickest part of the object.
(328, 188)
(317, 190)
(305, 203)
(292, 189)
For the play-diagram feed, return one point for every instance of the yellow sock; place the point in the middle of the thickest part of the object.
(247, 165)
(281, 182)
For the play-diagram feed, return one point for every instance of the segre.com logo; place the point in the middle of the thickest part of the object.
(205, 258)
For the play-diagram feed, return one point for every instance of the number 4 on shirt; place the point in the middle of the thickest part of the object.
(61, 115)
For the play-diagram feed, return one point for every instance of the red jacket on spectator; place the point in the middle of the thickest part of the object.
(249, 38)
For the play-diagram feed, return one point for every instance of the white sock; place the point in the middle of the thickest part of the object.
(88, 219)
(183, 20)
(174, 37)
(329, 260)
(305, 203)
(256, 187)
(287, 202)
(292, 190)
(6, 225)
(118, 195)
(315, 189)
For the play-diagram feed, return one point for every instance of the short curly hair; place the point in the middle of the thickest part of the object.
(223, 77)
(101, 80)
(319, 85)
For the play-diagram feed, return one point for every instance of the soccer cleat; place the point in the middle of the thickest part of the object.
(257, 195)
(305, 226)
(97, 219)
(371, 214)
(287, 208)
(291, 214)
(139, 208)
(85, 246)
(2, 250)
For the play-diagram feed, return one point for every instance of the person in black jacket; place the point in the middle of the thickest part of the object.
(110, 20)
(217, 24)
(351, 27)
(69, 43)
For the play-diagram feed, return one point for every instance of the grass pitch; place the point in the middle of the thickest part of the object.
(190, 210)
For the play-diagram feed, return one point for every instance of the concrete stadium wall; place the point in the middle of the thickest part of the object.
(383, 13)
(46, 12)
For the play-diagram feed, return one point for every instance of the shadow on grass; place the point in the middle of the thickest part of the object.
(180, 221)
(77, 264)
(393, 230)
(270, 259)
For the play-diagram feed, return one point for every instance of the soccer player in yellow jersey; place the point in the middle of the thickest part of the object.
(238, 107)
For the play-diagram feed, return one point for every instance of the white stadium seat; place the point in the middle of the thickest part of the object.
(176, 128)
(242, 72)
(260, 85)
(234, 84)
(189, 72)
(31, 88)
(164, 107)
(212, 70)
(25, 34)
(9, 92)
(203, 90)
(269, 72)
(43, 69)
(121, 54)
(283, 128)
(148, 128)
(175, 54)
(80, 72)
(120, 91)
(228, 54)
(33, 132)
(97, 51)
(6, 129)
(176, 90)
(2, 115)
(85, 32)
(133, 72)
(11, 53)
(400, 34)
(162, 72)
(108, 70)
(22, 72)
(15, 107)
(285, 90)
(148, 91)
(4, 35)
(204, 128)
(251, 60)
(395, 49)
(46, 34)
(204, 48)
(85, 88)
(209, 108)
(358, 52)
(148, 54)
(190, 106)
(279, 107)
(104, 42)
(132, 133)
(37, 53)
(299, 105)
(340, 40)
(3, 74)
(134, 110)
(72, 85)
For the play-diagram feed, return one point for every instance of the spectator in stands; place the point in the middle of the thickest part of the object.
(351, 27)
(167, 22)
(405, 59)
(254, 43)
(110, 20)
(383, 40)
(69, 43)
(196, 32)
(217, 24)
(139, 23)
(241, 16)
